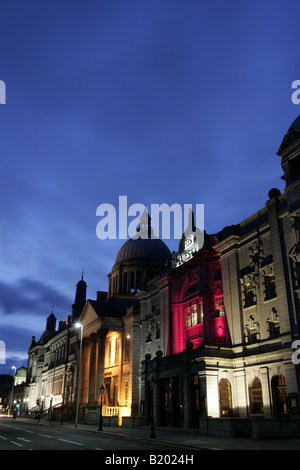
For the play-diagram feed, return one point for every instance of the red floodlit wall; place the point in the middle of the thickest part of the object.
(197, 308)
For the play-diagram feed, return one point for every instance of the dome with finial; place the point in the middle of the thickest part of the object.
(144, 245)
(140, 259)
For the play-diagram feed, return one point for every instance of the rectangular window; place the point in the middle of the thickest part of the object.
(219, 305)
(270, 288)
(249, 296)
(194, 315)
(274, 329)
(221, 341)
(218, 274)
(252, 335)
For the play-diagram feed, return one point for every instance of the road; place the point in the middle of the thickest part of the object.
(19, 435)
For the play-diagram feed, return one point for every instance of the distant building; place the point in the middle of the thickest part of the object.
(6, 383)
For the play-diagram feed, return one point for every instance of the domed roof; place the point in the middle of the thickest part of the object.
(144, 245)
(143, 248)
(21, 371)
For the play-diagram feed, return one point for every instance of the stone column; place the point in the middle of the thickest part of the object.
(101, 334)
(266, 391)
(239, 395)
(93, 368)
(85, 370)
(212, 393)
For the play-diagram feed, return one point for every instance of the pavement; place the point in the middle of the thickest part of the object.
(186, 437)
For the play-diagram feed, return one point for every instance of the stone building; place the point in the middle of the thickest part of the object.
(193, 337)
(111, 328)
(229, 317)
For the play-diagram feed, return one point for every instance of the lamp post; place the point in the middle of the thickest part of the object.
(78, 325)
(102, 388)
(12, 391)
(152, 429)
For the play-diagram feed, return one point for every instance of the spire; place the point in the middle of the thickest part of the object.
(144, 229)
(80, 298)
(51, 322)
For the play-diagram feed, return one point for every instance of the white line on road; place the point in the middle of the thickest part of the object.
(1, 437)
(71, 442)
(26, 430)
(22, 439)
(44, 435)
(17, 444)
(97, 448)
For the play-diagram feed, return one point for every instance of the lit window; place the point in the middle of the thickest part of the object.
(256, 396)
(249, 295)
(194, 315)
(219, 305)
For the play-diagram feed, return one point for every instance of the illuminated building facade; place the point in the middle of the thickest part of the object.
(228, 317)
(212, 326)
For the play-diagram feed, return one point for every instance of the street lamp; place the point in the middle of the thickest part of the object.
(78, 325)
(152, 431)
(12, 392)
(102, 388)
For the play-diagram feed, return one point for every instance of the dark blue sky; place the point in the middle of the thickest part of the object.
(163, 101)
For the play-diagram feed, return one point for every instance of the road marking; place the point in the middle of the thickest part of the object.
(44, 435)
(1, 437)
(17, 444)
(26, 430)
(71, 442)
(22, 439)
(97, 448)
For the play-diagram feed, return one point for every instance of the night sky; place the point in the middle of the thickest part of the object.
(164, 101)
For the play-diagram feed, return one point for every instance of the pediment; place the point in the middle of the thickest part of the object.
(88, 314)
(91, 316)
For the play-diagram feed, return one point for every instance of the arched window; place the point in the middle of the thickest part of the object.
(225, 398)
(256, 400)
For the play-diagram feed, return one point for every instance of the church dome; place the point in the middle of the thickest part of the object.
(144, 245)
(140, 248)
(140, 259)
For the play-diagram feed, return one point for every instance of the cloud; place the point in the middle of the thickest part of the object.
(24, 308)
(31, 297)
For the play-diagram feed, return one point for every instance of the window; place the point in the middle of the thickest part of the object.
(225, 398)
(256, 396)
(194, 315)
(270, 288)
(221, 341)
(273, 324)
(218, 274)
(219, 305)
(274, 329)
(249, 295)
(252, 335)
